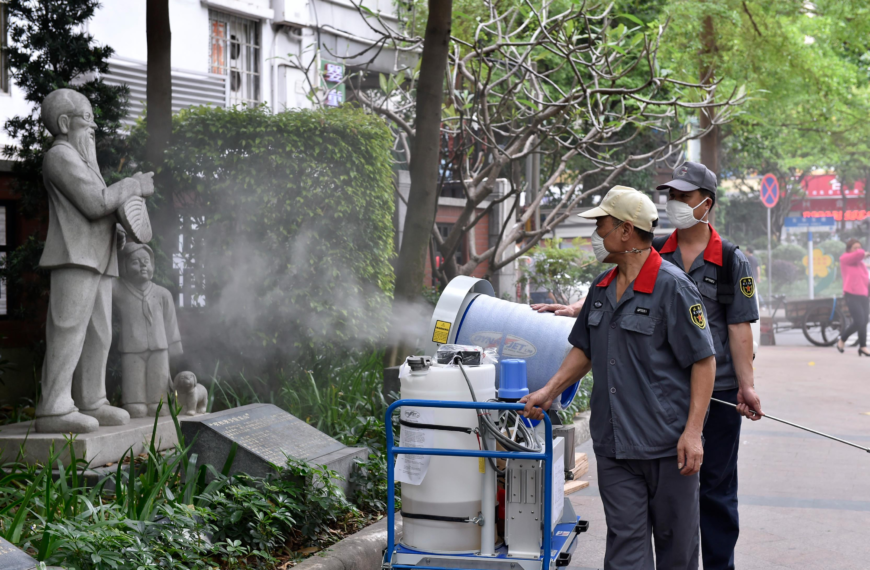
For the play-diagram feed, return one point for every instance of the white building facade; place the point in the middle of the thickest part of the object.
(281, 53)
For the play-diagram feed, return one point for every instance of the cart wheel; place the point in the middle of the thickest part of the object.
(821, 327)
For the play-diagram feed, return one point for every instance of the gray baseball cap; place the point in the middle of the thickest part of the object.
(691, 176)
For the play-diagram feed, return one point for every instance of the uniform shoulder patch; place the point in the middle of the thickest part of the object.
(697, 314)
(747, 286)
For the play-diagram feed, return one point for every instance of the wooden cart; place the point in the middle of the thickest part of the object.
(821, 320)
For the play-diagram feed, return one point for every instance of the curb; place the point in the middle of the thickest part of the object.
(361, 551)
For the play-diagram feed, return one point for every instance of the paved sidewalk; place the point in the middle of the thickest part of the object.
(804, 500)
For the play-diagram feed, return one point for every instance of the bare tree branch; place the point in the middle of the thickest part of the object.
(575, 86)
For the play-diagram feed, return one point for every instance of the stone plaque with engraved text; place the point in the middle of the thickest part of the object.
(265, 435)
(272, 433)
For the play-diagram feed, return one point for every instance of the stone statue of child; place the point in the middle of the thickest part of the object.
(149, 333)
(80, 252)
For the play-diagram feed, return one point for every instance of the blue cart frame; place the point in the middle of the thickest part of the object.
(392, 450)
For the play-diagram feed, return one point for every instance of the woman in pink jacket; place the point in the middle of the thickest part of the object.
(855, 290)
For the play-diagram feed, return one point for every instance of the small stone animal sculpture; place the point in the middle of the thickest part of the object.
(192, 396)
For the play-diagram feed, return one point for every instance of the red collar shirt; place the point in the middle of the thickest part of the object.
(642, 350)
(704, 272)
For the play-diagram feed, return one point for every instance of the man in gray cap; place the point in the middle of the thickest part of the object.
(727, 285)
(80, 251)
(643, 333)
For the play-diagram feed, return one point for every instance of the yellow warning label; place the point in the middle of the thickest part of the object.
(481, 464)
(442, 332)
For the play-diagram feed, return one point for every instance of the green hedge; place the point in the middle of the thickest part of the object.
(294, 240)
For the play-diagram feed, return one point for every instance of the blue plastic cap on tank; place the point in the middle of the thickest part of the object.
(513, 384)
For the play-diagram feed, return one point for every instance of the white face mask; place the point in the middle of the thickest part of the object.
(598, 248)
(601, 252)
(682, 215)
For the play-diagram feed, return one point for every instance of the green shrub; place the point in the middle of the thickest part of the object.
(789, 252)
(833, 247)
(289, 234)
(561, 271)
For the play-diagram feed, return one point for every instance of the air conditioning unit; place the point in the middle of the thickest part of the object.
(291, 12)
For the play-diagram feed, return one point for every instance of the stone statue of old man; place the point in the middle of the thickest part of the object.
(80, 251)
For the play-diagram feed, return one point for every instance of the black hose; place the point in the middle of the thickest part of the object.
(485, 424)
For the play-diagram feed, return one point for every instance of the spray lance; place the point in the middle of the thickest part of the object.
(754, 413)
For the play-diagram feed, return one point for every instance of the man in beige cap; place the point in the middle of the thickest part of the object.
(643, 332)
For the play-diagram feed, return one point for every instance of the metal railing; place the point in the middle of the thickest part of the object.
(392, 450)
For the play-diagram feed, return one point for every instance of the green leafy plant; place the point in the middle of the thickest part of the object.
(341, 396)
(288, 221)
(250, 514)
(160, 511)
(561, 271)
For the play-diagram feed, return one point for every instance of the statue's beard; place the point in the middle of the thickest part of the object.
(83, 141)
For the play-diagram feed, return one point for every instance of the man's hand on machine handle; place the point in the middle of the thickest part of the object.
(537, 403)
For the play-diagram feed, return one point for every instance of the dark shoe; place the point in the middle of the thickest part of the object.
(863, 351)
(841, 345)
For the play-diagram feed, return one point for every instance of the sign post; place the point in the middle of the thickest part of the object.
(810, 268)
(800, 225)
(769, 197)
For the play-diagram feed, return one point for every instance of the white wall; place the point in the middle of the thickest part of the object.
(121, 25)
(11, 105)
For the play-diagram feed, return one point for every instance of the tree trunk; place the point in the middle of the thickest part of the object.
(425, 151)
(158, 91)
(710, 141)
(158, 120)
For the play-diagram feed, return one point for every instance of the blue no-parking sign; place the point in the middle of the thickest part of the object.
(769, 190)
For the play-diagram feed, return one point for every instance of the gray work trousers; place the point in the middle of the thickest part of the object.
(78, 333)
(644, 499)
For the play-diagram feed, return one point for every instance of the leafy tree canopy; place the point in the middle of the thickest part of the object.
(805, 68)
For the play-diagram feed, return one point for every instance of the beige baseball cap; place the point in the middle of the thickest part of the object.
(627, 205)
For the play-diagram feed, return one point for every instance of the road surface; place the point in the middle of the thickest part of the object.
(804, 500)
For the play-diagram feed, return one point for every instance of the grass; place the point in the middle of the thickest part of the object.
(164, 512)
(340, 397)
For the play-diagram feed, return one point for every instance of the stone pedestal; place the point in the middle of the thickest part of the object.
(265, 435)
(106, 445)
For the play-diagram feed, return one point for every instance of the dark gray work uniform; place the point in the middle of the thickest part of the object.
(642, 350)
(720, 523)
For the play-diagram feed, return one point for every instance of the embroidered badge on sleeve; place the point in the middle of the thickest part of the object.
(697, 314)
(747, 286)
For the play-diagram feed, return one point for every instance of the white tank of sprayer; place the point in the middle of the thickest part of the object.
(469, 313)
(452, 486)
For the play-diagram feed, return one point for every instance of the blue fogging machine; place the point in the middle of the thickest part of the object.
(532, 538)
